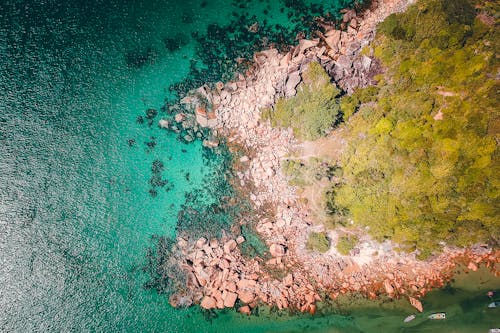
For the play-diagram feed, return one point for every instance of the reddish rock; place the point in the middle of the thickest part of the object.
(246, 296)
(230, 246)
(472, 266)
(208, 303)
(277, 250)
(229, 298)
(214, 243)
(180, 117)
(416, 304)
(201, 242)
(246, 284)
(240, 239)
(245, 310)
(288, 280)
(388, 287)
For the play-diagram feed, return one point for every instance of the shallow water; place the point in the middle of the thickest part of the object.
(77, 214)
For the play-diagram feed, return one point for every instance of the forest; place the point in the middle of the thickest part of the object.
(422, 163)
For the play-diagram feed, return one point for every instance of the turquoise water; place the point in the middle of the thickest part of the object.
(77, 215)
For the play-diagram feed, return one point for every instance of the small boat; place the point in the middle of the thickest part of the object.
(494, 330)
(495, 304)
(409, 318)
(437, 316)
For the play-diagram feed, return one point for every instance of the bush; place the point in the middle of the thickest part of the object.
(346, 243)
(313, 111)
(318, 241)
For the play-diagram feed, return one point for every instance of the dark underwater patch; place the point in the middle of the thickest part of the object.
(138, 58)
(176, 43)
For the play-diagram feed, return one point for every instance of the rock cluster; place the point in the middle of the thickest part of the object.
(218, 276)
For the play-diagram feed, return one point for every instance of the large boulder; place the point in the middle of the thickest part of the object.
(229, 298)
(246, 296)
(292, 81)
(208, 303)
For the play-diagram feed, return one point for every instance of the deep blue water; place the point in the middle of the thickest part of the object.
(77, 210)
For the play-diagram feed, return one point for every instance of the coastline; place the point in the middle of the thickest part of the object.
(218, 275)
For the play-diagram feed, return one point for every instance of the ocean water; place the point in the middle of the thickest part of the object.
(85, 188)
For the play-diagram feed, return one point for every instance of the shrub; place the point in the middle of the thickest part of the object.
(346, 243)
(313, 111)
(318, 241)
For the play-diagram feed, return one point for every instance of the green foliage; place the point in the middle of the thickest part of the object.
(349, 104)
(422, 164)
(313, 111)
(317, 241)
(346, 243)
(295, 171)
(301, 173)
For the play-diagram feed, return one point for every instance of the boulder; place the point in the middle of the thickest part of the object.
(246, 284)
(208, 303)
(344, 62)
(163, 123)
(292, 81)
(416, 304)
(229, 246)
(179, 117)
(332, 40)
(201, 242)
(246, 296)
(288, 280)
(349, 15)
(245, 310)
(240, 239)
(388, 287)
(277, 250)
(472, 266)
(229, 298)
(305, 44)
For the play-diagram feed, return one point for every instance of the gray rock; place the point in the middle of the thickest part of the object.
(292, 82)
(344, 62)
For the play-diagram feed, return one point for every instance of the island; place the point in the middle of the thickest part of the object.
(368, 154)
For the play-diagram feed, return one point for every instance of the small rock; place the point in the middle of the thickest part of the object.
(245, 310)
(240, 239)
(180, 117)
(163, 123)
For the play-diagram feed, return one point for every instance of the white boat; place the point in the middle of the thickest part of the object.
(409, 318)
(495, 304)
(438, 316)
(494, 330)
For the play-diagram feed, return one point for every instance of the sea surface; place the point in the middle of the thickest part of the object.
(89, 182)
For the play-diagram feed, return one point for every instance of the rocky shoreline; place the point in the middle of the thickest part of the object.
(217, 274)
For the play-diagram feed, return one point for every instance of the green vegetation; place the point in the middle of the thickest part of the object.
(318, 241)
(346, 243)
(422, 166)
(313, 111)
